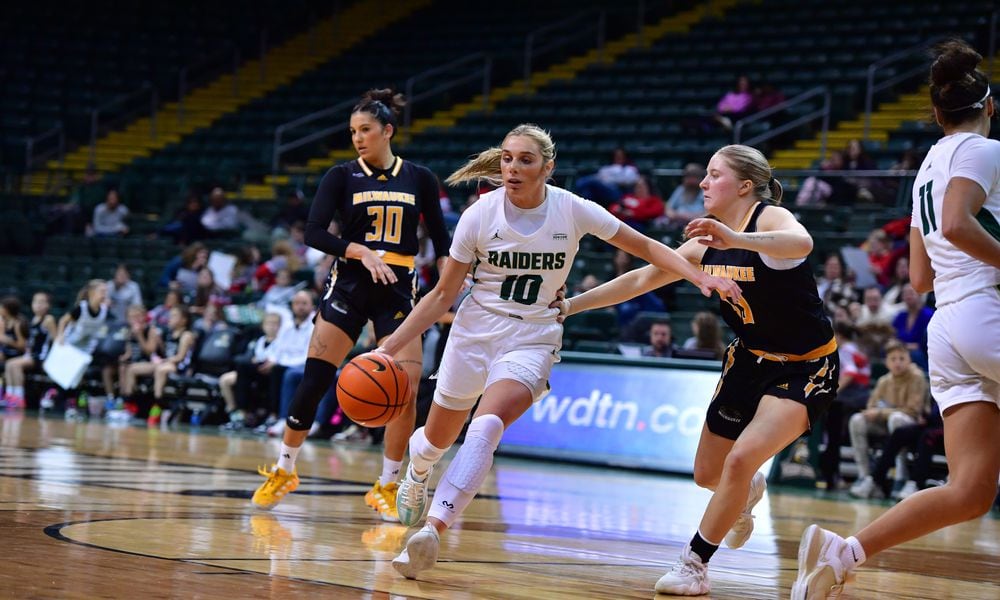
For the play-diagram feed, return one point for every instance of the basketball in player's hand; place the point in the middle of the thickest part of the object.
(372, 389)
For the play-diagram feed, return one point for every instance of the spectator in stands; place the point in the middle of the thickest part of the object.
(297, 238)
(221, 218)
(687, 201)
(735, 104)
(283, 256)
(109, 217)
(834, 286)
(211, 320)
(898, 400)
(41, 332)
(828, 189)
(186, 225)
(926, 438)
(246, 367)
(881, 255)
(892, 299)
(143, 342)
(122, 293)
(207, 292)
(872, 311)
(177, 346)
(159, 315)
(639, 207)
(288, 350)
(447, 210)
(891, 187)
(707, 334)
(852, 394)
(611, 181)
(856, 159)
(282, 290)
(911, 325)
(294, 210)
(247, 262)
(661, 340)
(181, 273)
(13, 329)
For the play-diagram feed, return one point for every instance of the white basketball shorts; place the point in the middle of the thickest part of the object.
(484, 347)
(963, 344)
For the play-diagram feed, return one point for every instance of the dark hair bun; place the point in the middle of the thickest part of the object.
(956, 60)
(395, 102)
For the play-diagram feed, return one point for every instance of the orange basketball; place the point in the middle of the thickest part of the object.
(372, 389)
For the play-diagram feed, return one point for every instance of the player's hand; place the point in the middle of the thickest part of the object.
(381, 272)
(383, 352)
(714, 234)
(561, 303)
(727, 288)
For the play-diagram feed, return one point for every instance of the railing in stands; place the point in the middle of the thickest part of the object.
(339, 110)
(481, 64)
(822, 112)
(582, 24)
(208, 67)
(872, 88)
(145, 97)
(32, 154)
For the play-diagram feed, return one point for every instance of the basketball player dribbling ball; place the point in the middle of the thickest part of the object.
(379, 199)
(954, 250)
(520, 241)
(779, 374)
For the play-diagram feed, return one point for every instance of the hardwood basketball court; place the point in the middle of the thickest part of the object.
(90, 510)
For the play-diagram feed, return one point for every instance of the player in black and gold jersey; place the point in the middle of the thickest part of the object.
(779, 374)
(379, 200)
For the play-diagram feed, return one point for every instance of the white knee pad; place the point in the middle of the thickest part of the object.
(423, 454)
(473, 461)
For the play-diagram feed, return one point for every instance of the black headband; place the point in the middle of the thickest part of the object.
(383, 113)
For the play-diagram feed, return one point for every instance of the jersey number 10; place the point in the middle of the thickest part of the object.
(522, 289)
(927, 218)
(387, 224)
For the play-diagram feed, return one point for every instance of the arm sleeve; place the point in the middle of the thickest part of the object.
(463, 245)
(431, 210)
(591, 218)
(321, 214)
(978, 160)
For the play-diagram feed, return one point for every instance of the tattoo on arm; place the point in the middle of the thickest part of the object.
(317, 347)
(758, 236)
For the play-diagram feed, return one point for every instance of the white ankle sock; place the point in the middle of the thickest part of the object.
(852, 555)
(286, 459)
(390, 470)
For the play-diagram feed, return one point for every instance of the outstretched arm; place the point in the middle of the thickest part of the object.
(778, 235)
(631, 284)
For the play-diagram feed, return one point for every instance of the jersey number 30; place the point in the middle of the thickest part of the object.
(927, 218)
(387, 224)
(522, 289)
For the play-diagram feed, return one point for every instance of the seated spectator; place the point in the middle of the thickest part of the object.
(735, 104)
(206, 292)
(911, 325)
(176, 349)
(142, 343)
(283, 256)
(122, 293)
(159, 315)
(872, 310)
(41, 332)
(246, 369)
(661, 340)
(707, 334)
(109, 217)
(282, 290)
(186, 225)
(898, 400)
(926, 438)
(828, 190)
(856, 159)
(892, 299)
(766, 96)
(611, 181)
(247, 261)
(220, 218)
(288, 350)
(881, 255)
(834, 287)
(639, 207)
(13, 329)
(852, 393)
(210, 321)
(194, 258)
(687, 201)
(294, 210)
(447, 210)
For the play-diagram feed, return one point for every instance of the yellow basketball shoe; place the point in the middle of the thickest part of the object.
(382, 498)
(279, 483)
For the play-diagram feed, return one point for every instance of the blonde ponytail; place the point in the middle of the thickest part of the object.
(485, 165)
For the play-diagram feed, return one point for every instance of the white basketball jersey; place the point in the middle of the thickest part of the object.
(518, 275)
(956, 274)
